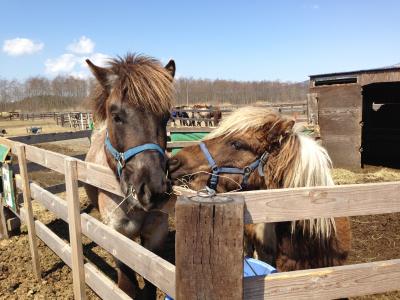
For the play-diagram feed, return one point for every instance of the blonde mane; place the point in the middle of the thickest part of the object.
(242, 120)
(301, 162)
(310, 167)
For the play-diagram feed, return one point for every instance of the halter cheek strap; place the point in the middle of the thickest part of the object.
(123, 157)
(245, 172)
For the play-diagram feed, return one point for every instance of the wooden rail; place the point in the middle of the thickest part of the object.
(100, 284)
(149, 265)
(326, 283)
(260, 206)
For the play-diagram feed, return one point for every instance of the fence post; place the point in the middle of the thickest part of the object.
(75, 230)
(26, 191)
(3, 224)
(209, 247)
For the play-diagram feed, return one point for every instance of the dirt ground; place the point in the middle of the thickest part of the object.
(374, 238)
(18, 127)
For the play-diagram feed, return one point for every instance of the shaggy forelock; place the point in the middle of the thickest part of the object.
(140, 80)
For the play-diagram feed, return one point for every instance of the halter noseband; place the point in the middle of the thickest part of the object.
(123, 157)
(246, 171)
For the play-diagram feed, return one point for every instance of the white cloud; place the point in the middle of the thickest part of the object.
(21, 46)
(315, 6)
(83, 46)
(74, 63)
(61, 65)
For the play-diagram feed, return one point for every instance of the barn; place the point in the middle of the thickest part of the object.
(358, 115)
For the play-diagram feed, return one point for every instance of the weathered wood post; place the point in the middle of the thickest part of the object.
(209, 247)
(3, 224)
(75, 230)
(30, 222)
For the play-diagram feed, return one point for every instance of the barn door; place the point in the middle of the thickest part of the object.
(312, 108)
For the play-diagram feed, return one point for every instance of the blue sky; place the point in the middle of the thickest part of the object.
(241, 40)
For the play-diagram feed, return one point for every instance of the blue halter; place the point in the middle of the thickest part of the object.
(123, 157)
(246, 171)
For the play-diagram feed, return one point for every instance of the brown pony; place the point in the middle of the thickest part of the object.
(132, 102)
(206, 113)
(293, 160)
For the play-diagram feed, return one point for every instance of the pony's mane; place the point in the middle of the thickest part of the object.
(242, 120)
(301, 162)
(139, 79)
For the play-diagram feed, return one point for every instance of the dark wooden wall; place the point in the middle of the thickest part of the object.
(339, 116)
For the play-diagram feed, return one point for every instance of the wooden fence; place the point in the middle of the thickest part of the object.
(209, 235)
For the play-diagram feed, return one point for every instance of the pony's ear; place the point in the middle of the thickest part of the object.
(103, 75)
(170, 67)
(279, 130)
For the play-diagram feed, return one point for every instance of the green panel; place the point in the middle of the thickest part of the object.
(187, 137)
(8, 187)
(4, 150)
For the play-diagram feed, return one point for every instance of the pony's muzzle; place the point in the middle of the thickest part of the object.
(147, 176)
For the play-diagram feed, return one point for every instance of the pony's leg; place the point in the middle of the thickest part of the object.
(248, 248)
(263, 238)
(92, 193)
(126, 279)
(153, 235)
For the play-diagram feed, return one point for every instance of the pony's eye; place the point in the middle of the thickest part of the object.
(117, 119)
(237, 145)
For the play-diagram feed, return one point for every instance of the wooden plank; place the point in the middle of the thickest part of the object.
(99, 176)
(209, 247)
(51, 137)
(171, 145)
(312, 108)
(190, 129)
(29, 212)
(327, 283)
(340, 121)
(152, 267)
(97, 281)
(46, 158)
(344, 150)
(3, 224)
(34, 167)
(74, 223)
(328, 201)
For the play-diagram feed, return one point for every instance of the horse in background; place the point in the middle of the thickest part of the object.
(131, 103)
(208, 114)
(264, 151)
(179, 113)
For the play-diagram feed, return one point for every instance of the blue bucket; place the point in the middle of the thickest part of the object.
(251, 268)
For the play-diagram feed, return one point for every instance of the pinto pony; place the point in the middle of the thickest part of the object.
(256, 148)
(132, 102)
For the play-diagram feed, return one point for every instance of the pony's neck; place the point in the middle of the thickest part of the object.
(301, 162)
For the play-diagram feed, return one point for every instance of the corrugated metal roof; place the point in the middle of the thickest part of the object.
(387, 68)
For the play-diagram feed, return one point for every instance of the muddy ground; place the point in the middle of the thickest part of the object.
(374, 238)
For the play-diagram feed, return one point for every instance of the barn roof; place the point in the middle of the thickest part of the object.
(395, 67)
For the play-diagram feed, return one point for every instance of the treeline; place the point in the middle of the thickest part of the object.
(218, 92)
(43, 94)
(68, 93)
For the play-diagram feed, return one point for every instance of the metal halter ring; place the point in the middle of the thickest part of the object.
(247, 170)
